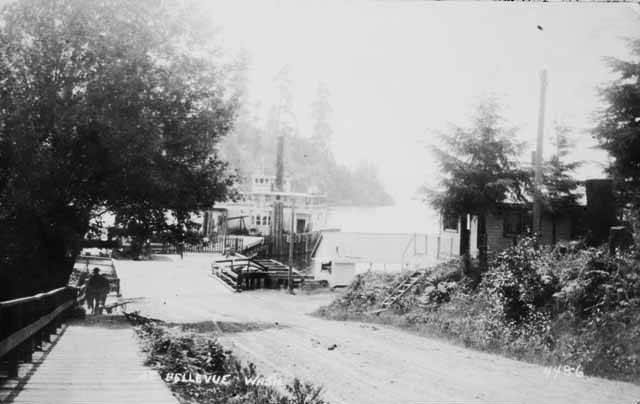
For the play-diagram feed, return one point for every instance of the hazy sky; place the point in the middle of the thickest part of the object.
(397, 71)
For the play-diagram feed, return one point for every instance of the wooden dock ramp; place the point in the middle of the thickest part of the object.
(242, 273)
(94, 361)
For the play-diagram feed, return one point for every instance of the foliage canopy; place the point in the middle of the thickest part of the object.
(479, 166)
(618, 129)
(111, 105)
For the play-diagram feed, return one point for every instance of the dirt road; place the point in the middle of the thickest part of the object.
(366, 364)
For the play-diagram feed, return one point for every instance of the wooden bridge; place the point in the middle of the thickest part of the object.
(45, 357)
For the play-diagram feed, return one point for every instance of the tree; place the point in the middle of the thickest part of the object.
(321, 113)
(560, 188)
(105, 106)
(618, 129)
(479, 171)
(309, 161)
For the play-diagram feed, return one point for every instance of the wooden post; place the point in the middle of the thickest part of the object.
(537, 206)
(13, 356)
(289, 275)
(426, 244)
(12, 363)
(26, 350)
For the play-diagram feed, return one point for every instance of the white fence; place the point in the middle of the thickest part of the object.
(389, 252)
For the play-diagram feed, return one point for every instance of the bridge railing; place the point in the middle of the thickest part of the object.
(27, 322)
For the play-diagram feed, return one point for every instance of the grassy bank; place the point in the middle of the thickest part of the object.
(576, 308)
(199, 370)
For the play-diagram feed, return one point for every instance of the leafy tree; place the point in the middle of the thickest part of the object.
(104, 106)
(479, 172)
(618, 130)
(560, 188)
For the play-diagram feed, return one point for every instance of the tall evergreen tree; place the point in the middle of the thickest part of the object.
(479, 172)
(618, 129)
(309, 161)
(560, 188)
(321, 113)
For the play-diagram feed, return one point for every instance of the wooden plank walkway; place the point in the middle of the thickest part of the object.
(97, 360)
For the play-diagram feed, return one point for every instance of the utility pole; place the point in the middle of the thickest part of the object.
(537, 206)
(278, 208)
(280, 164)
(290, 275)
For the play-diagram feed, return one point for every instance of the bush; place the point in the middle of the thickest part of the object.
(172, 351)
(523, 280)
(368, 290)
(600, 283)
(365, 292)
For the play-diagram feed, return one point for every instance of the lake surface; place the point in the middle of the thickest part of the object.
(405, 217)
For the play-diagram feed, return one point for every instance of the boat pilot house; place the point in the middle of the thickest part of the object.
(253, 212)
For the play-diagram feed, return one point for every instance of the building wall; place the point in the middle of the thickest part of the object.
(498, 242)
(495, 232)
(563, 229)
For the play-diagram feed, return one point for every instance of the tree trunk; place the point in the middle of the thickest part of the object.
(38, 252)
(553, 230)
(61, 234)
(465, 246)
(482, 242)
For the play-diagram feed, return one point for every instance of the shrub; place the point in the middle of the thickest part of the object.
(366, 291)
(565, 306)
(171, 351)
(523, 280)
(601, 283)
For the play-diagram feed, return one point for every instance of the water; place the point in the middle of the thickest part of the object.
(405, 217)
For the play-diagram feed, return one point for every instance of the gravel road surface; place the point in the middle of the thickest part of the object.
(355, 363)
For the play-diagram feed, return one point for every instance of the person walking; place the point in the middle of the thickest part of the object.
(97, 290)
(181, 249)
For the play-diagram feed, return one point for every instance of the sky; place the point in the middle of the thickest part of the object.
(398, 72)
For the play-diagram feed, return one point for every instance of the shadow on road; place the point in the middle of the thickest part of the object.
(115, 321)
(224, 327)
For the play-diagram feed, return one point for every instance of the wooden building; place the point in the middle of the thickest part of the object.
(512, 221)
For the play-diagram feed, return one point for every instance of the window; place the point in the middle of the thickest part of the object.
(257, 220)
(513, 223)
(264, 220)
(449, 221)
(325, 266)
